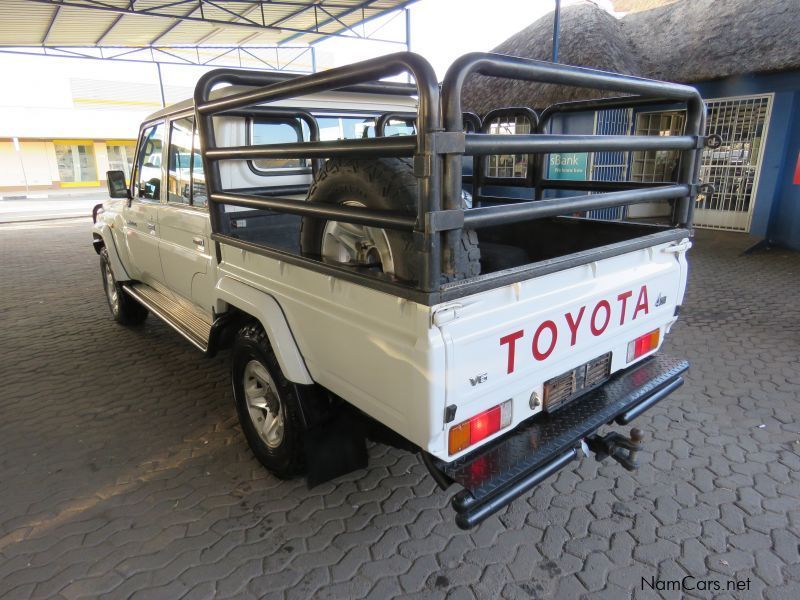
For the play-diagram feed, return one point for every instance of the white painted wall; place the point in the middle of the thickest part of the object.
(84, 99)
(35, 159)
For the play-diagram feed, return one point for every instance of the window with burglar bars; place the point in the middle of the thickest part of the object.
(610, 166)
(509, 165)
(657, 165)
(733, 168)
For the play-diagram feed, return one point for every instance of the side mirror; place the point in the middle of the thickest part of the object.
(117, 188)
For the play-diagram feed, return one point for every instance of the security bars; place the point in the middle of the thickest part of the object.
(437, 150)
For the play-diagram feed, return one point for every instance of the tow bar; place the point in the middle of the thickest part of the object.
(622, 449)
(495, 475)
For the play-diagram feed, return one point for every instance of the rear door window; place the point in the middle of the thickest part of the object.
(179, 186)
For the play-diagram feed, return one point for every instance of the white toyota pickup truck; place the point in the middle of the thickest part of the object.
(345, 237)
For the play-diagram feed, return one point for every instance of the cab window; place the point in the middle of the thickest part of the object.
(346, 128)
(269, 131)
(148, 164)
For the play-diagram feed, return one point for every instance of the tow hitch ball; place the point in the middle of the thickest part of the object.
(622, 449)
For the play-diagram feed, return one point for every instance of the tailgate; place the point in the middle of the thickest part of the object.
(506, 343)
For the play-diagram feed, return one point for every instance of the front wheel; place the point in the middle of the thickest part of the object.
(124, 309)
(268, 405)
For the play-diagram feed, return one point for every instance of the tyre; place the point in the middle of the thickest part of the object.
(267, 403)
(124, 309)
(381, 184)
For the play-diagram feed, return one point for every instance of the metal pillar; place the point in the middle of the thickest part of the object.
(556, 28)
(408, 39)
(408, 29)
(161, 86)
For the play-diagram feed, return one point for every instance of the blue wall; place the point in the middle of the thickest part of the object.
(776, 213)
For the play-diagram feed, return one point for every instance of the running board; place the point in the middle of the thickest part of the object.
(191, 324)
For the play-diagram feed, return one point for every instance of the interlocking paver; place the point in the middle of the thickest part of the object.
(125, 474)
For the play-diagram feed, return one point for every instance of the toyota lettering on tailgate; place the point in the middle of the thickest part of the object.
(595, 319)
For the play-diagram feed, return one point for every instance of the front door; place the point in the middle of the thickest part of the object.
(141, 214)
(185, 238)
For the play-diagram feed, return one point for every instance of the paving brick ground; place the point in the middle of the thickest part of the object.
(123, 472)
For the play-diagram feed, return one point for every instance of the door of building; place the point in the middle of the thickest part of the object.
(733, 168)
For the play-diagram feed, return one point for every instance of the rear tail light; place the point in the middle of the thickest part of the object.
(643, 344)
(479, 427)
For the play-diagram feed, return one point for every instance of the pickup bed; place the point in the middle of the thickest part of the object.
(321, 228)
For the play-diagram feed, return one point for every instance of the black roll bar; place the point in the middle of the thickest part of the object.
(385, 118)
(544, 143)
(358, 77)
(350, 214)
(683, 211)
(438, 148)
(401, 145)
(495, 65)
(287, 113)
(473, 120)
(508, 213)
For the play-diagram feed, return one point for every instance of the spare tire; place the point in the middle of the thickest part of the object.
(380, 184)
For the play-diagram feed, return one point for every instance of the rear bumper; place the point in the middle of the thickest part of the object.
(495, 475)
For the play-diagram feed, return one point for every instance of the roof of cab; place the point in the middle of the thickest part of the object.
(326, 101)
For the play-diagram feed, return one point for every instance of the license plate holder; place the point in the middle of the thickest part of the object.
(563, 389)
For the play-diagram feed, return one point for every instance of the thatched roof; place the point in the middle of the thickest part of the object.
(685, 41)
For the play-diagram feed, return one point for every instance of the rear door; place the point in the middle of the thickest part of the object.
(141, 213)
(185, 242)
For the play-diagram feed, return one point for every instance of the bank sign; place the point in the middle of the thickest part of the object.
(568, 165)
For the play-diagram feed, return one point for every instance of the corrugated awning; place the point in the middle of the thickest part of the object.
(170, 23)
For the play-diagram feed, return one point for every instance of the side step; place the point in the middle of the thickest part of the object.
(495, 475)
(191, 324)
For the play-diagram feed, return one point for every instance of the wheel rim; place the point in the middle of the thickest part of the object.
(354, 244)
(111, 289)
(263, 404)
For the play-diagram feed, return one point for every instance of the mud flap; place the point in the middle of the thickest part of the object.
(335, 448)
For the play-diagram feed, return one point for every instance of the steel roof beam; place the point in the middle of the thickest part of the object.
(50, 25)
(249, 23)
(174, 25)
(352, 9)
(338, 20)
(167, 54)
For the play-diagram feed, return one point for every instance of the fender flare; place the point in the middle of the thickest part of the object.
(101, 234)
(269, 313)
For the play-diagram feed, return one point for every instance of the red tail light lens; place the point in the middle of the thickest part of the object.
(483, 425)
(643, 344)
(479, 427)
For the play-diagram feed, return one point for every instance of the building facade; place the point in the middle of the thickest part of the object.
(68, 121)
(750, 83)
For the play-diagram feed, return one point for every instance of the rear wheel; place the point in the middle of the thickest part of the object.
(268, 405)
(124, 309)
(381, 184)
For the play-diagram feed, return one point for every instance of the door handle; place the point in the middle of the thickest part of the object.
(151, 226)
(198, 241)
(131, 223)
